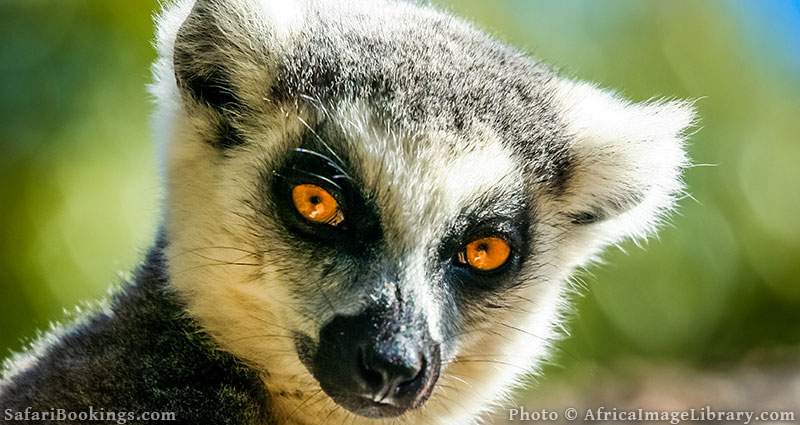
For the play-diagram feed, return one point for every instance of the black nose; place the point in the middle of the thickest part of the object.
(389, 372)
(376, 365)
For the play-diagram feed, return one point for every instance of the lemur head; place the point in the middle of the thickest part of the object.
(379, 207)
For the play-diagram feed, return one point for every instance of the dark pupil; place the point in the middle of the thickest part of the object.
(314, 199)
(483, 247)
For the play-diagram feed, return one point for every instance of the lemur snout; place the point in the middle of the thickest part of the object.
(391, 375)
(375, 366)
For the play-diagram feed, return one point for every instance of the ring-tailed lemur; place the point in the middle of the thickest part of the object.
(372, 212)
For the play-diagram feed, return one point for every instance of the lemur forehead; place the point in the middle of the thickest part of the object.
(458, 163)
(484, 165)
(424, 178)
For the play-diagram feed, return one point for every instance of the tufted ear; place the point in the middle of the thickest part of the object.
(223, 53)
(216, 60)
(627, 159)
(220, 52)
(208, 52)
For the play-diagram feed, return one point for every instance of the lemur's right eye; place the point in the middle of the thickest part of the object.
(316, 204)
(485, 254)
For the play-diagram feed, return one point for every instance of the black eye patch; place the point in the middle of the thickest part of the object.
(315, 162)
(489, 216)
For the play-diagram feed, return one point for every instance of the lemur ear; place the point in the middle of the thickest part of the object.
(204, 55)
(210, 47)
(627, 159)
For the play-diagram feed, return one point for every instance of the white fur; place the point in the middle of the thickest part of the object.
(284, 17)
(626, 146)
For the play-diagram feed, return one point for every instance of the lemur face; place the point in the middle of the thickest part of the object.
(378, 207)
(397, 241)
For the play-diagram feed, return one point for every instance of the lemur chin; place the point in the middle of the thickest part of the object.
(372, 211)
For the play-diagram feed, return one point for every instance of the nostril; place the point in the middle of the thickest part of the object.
(390, 373)
(373, 378)
(412, 380)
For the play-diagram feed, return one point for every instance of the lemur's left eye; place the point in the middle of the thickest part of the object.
(316, 204)
(485, 254)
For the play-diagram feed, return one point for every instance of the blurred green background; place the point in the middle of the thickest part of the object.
(79, 185)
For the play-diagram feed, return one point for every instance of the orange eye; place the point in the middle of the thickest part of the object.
(316, 204)
(486, 254)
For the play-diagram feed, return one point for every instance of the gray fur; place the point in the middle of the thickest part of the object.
(419, 70)
(141, 356)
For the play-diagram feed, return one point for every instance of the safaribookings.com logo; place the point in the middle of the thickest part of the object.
(91, 414)
(616, 415)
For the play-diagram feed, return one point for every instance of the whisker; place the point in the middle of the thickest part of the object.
(265, 336)
(317, 136)
(202, 248)
(332, 163)
(291, 415)
(489, 361)
(317, 176)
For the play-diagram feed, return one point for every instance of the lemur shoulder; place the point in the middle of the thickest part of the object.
(362, 199)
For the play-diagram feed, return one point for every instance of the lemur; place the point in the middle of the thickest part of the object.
(372, 212)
